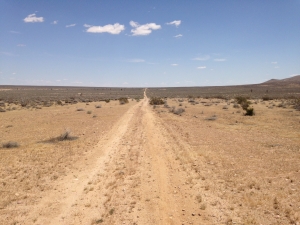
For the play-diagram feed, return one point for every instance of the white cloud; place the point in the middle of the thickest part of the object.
(276, 67)
(201, 67)
(202, 58)
(136, 60)
(54, 22)
(109, 28)
(220, 60)
(14, 32)
(274, 62)
(21, 45)
(174, 64)
(71, 25)
(33, 19)
(144, 29)
(178, 36)
(175, 22)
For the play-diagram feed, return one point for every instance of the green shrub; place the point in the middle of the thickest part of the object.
(156, 101)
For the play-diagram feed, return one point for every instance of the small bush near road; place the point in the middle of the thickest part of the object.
(156, 101)
(10, 144)
(123, 100)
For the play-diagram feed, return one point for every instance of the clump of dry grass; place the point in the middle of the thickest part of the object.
(10, 144)
(2, 110)
(178, 111)
(156, 101)
(211, 118)
(65, 136)
(123, 100)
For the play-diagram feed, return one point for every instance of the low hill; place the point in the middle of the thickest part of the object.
(291, 80)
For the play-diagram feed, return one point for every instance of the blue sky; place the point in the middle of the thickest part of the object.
(143, 43)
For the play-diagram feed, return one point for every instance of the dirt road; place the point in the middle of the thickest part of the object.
(130, 177)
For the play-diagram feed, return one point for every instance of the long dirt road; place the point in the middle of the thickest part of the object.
(131, 177)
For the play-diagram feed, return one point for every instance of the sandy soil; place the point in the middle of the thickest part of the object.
(133, 164)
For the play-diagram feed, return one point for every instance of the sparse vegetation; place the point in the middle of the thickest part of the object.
(65, 136)
(123, 100)
(111, 211)
(89, 112)
(80, 109)
(245, 104)
(156, 101)
(177, 111)
(10, 144)
(98, 106)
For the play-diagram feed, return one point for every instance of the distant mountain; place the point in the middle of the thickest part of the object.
(286, 81)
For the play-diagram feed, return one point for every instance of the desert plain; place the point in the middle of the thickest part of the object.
(110, 162)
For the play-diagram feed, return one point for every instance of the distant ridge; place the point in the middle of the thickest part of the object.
(286, 81)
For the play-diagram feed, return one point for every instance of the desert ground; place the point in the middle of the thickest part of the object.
(138, 164)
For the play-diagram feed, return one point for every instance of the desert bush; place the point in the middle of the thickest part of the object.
(89, 112)
(98, 106)
(296, 104)
(58, 102)
(249, 112)
(2, 103)
(179, 111)
(245, 104)
(107, 100)
(156, 101)
(2, 110)
(63, 137)
(123, 100)
(266, 98)
(10, 144)
(24, 102)
(211, 118)
(236, 106)
(225, 107)
(47, 104)
(80, 109)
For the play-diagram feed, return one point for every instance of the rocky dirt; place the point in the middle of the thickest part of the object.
(133, 164)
